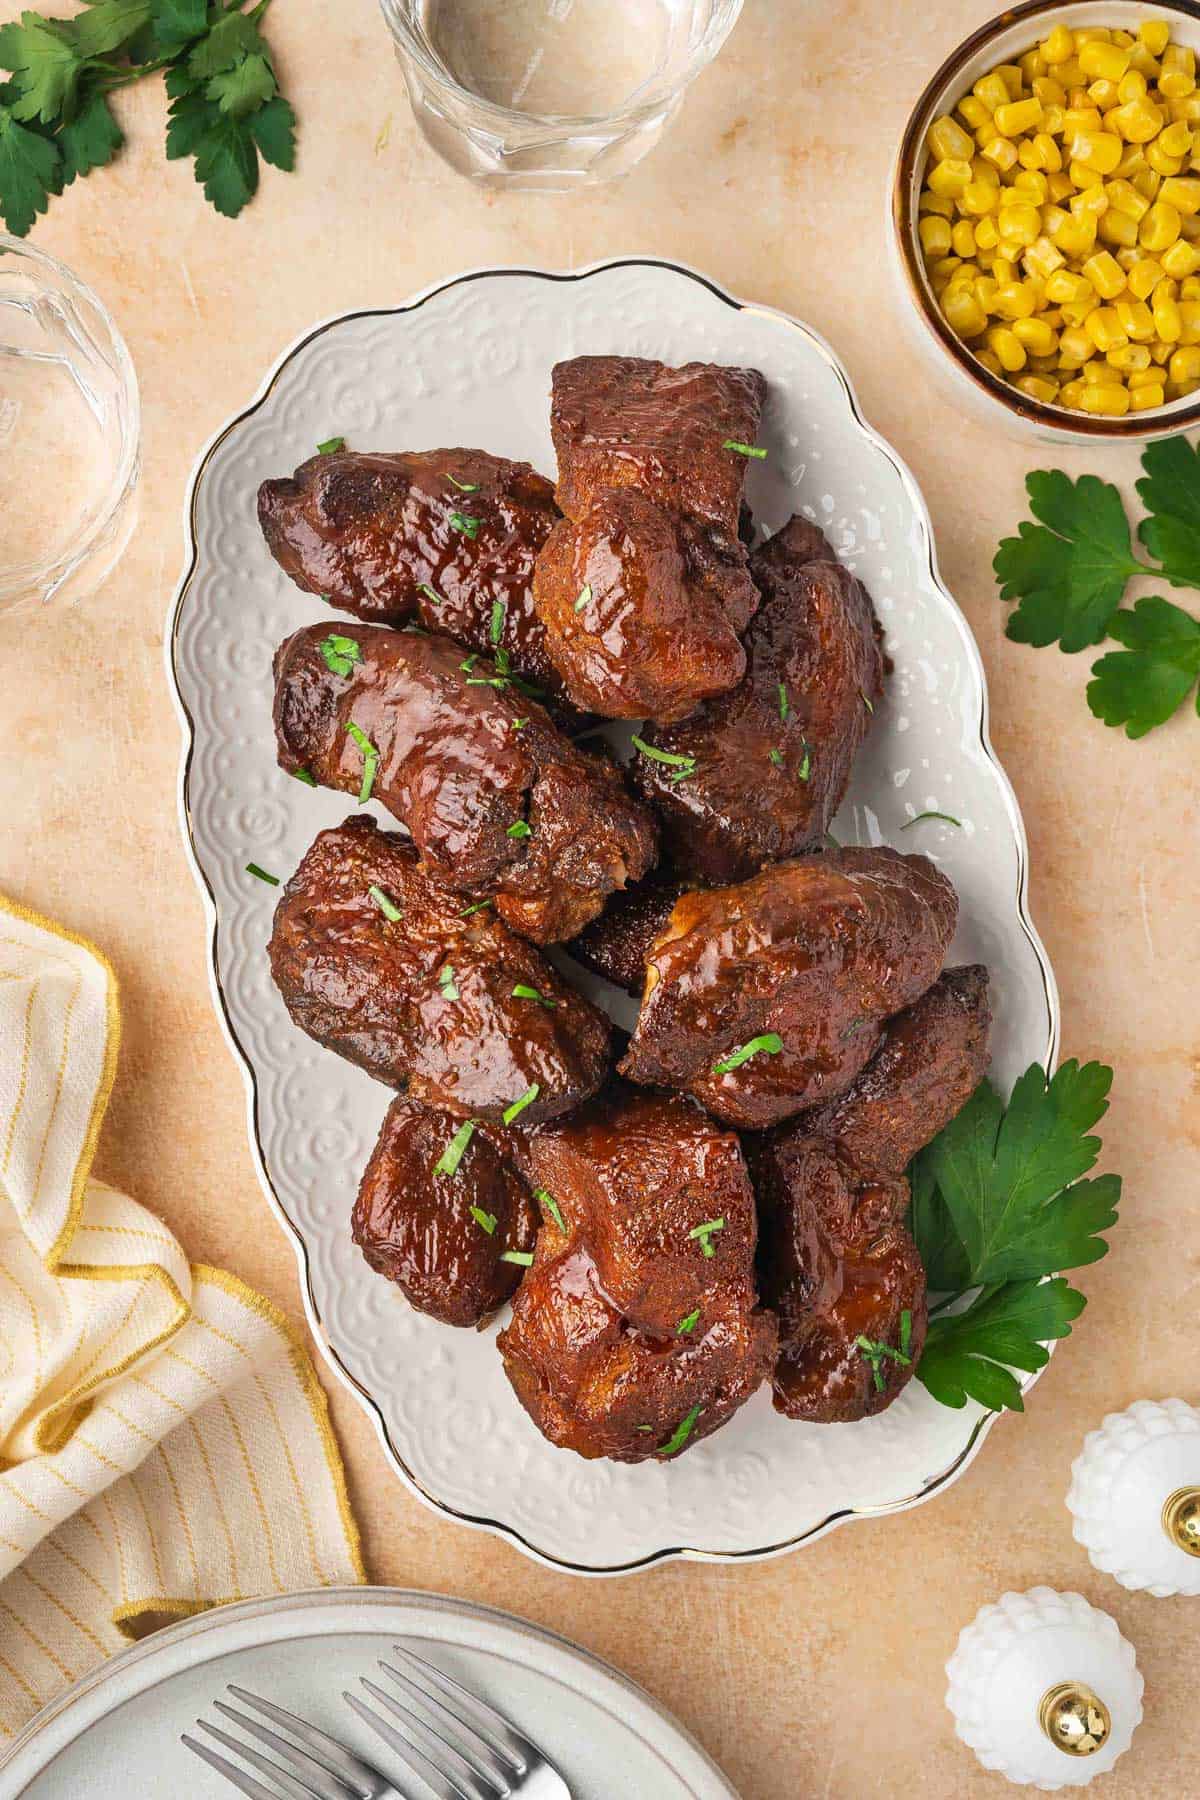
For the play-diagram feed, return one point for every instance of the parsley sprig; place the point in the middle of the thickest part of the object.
(56, 122)
(1068, 573)
(1000, 1201)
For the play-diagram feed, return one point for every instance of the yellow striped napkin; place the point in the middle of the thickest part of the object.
(164, 1442)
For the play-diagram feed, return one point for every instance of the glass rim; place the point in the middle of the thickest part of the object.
(643, 100)
(16, 579)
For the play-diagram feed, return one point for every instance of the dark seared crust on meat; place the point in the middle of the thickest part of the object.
(837, 1261)
(624, 1329)
(427, 1231)
(373, 534)
(467, 762)
(626, 421)
(650, 551)
(820, 951)
(368, 986)
(773, 756)
(617, 942)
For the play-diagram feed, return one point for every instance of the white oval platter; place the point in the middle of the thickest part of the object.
(468, 362)
(117, 1731)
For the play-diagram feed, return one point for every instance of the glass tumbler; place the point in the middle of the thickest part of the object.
(551, 94)
(69, 432)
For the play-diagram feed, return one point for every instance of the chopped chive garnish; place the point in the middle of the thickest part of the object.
(486, 1220)
(805, 769)
(682, 765)
(330, 445)
(518, 1106)
(523, 1258)
(645, 1428)
(876, 1351)
(469, 662)
(866, 701)
(306, 776)
(386, 904)
(948, 817)
(905, 1332)
(503, 665)
(686, 1326)
(431, 594)
(340, 653)
(447, 983)
(785, 705)
(370, 761)
(497, 627)
(585, 594)
(492, 681)
(466, 524)
(464, 487)
(253, 869)
(478, 907)
(704, 1233)
(768, 1043)
(520, 830)
(520, 724)
(776, 757)
(743, 449)
(680, 1435)
(523, 991)
(545, 1198)
(853, 1029)
(447, 1163)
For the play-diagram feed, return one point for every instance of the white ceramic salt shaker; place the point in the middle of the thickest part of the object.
(1135, 1496)
(1044, 1689)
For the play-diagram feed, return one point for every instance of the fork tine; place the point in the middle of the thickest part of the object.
(410, 1756)
(479, 1771)
(244, 1783)
(474, 1715)
(311, 1768)
(291, 1785)
(332, 1756)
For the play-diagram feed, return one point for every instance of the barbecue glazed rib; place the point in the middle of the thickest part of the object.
(501, 805)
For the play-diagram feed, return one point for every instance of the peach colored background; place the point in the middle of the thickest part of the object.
(819, 1675)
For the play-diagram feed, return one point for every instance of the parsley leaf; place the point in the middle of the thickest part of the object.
(1067, 573)
(108, 25)
(30, 170)
(1009, 1179)
(1170, 491)
(971, 1354)
(1143, 684)
(177, 22)
(46, 64)
(90, 139)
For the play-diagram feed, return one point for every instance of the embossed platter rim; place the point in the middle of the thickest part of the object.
(676, 313)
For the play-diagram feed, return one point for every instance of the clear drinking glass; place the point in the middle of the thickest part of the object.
(551, 94)
(69, 432)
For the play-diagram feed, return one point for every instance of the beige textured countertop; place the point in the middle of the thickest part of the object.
(819, 1675)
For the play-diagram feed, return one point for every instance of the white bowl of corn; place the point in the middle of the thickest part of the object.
(1046, 205)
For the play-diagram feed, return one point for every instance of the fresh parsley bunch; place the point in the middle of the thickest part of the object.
(999, 1202)
(1069, 571)
(56, 122)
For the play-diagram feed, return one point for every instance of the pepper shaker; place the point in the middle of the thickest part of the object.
(1135, 1496)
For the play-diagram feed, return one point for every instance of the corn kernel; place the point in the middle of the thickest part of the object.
(1137, 321)
(1109, 400)
(1141, 399)
(1098, 150)
(1033, 69)
(1118, 228)
(1176, 139)
(1030, 185)
(964, 315)
(1161, 163)
(1184, 364)
(1012, 77)
(1155, 34)
(1054, 120)
(1077, 312)
(1104, 60)
(1147, 182)
(1189, 288)
(1075, 237)
(1049, 154)
(1070, 394)
(1144, 277)
(950, 177)
(1014, 300)
(1132, 86)
(1138, 121)
(1049, 91)
(992, 90)
(1075, 347)
(1004, 270)
(1042, 259)
(986, 235)
(1104, 328)
(1168, 321)
(1129, 359)
(1147, 377)
(1059, 46)
(1038, 338)
(1160, 227)
(1020, 224)
(1058, 186)
(963, 238)
(1008, 348)
(1065, 285)
(1085, 177)
(1018, 116)
(978, 198)
(935, 235)
(1105, 274)
(1181, 192)
(1189, 321)
(1001, 152)
(1038, 387)
(1161, 352)
(974, 113)
(1124, 197)
(947, 141)
(1180, 260)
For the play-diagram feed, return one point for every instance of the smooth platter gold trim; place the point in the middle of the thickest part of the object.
(689, 1552)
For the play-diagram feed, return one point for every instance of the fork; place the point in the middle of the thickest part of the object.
(460, 1747)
